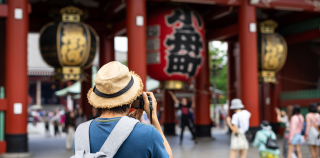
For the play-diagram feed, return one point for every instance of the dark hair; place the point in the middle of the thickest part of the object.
(296, 110)
(319, 103)
(119, 109)
(265, 123)
(313, 108)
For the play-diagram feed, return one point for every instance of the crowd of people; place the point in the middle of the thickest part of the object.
(297, 130)
(63, 121)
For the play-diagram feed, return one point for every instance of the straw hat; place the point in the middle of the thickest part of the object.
(115, 86)
(236, 104)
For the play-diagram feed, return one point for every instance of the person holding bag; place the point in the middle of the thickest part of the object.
(312, 130)
(239, 125)
(266, 140)
(296, 127)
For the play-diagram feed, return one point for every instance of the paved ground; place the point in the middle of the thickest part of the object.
(54, 147)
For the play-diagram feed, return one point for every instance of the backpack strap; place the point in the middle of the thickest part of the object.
(82, 137)
(118, 135)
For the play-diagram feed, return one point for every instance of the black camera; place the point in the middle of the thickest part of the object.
(139, 102)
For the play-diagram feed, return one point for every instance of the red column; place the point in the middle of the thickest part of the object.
(202, 99)
(248, 60)
(85, 86)
(231, 75)
(136, 33)
(168, 117)
(16, 76)
(106, 49)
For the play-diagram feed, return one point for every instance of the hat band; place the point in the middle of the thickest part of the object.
(122, 91)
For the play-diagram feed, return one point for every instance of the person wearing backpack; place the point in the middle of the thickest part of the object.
(239, 125)
(296, 127)
(114, 134)
(266, 140)
(312, 130)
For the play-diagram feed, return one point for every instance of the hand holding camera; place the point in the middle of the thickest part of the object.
(148, 103)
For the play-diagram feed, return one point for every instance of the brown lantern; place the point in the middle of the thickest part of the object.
(272, 52)
(69, 45)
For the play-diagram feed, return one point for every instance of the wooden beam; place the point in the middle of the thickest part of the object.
(114, 7)
(293, 5)
(223, 34)
(221, 2)
(219, 13)
(301, 102)
(295, 17)
(4, 10)
(304, 36)
(117, 29)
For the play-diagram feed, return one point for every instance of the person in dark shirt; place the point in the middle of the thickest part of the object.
(186, 119)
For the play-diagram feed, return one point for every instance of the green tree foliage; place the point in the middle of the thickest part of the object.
(220, 68)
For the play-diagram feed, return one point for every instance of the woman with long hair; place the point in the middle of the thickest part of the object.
(296, 127)
(312, 130)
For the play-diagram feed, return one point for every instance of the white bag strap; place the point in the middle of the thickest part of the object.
(81, 139)
(118, 135)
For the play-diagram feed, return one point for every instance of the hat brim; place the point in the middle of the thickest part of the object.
(234, 107)
(124, 99)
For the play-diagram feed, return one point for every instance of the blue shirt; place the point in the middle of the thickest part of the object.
(144, 141)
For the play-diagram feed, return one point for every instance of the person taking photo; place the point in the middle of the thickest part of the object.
(186, 119)
(114, 134)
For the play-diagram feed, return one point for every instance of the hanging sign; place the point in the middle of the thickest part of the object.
(175, 44)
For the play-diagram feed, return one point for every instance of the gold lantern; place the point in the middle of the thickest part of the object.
(69, 45)
(272, 52)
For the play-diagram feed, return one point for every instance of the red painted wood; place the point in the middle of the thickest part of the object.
(219, 13)
(224, 33)
(248, 62)
(297, 73)
(168, 112)
(3, 104)
(222, 2)
(118, 29)
(106, 49)
(3, 147)
(85, 86)
(302, 5)
(304, 36)
(16, 88)
(137, 58)
(3, 10)
(202, 93)
(301, 102)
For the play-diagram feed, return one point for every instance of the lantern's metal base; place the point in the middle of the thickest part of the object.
(17, 143)
(203, 130)
(173, 85)
(16, 155)
(169, 128)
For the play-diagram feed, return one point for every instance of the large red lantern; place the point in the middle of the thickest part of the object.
(175, 44)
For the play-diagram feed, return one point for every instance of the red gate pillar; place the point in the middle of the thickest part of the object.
(202, 119)
(168, 117)
(249, 61)
(16, 76)
(106, 49)
(136, 33)
(85, 86)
